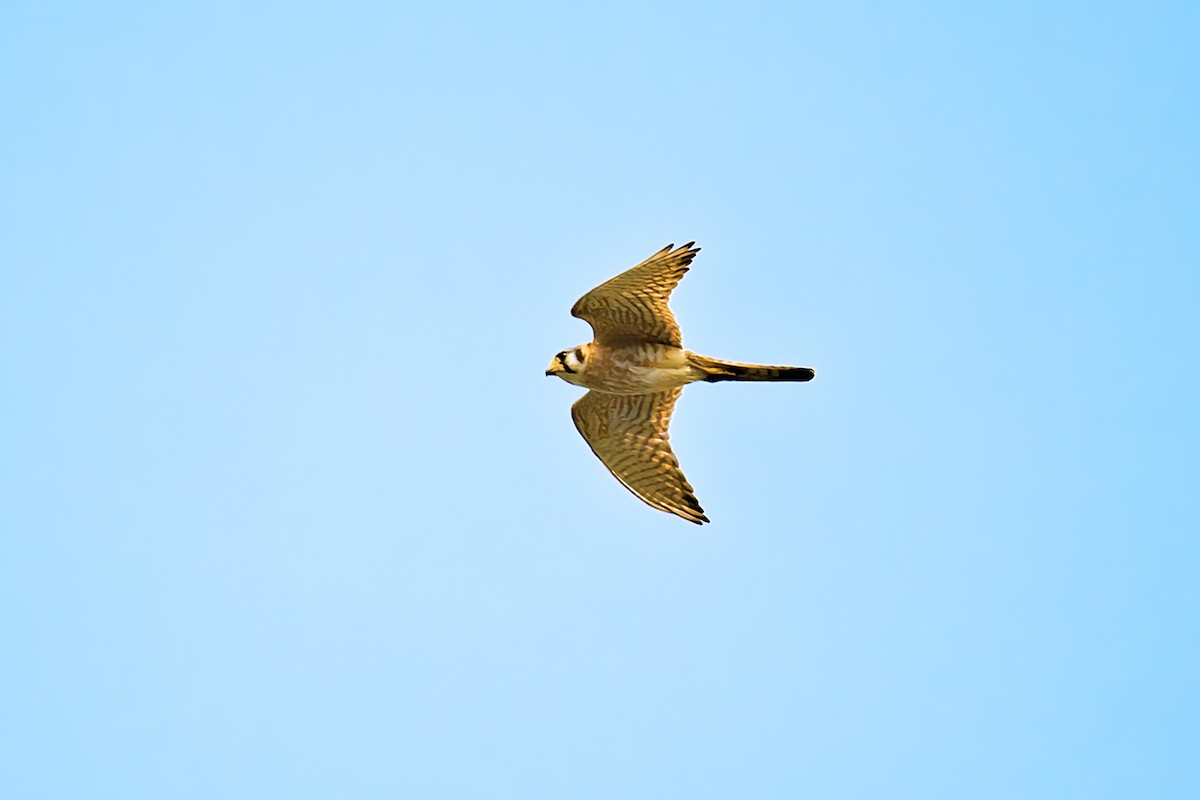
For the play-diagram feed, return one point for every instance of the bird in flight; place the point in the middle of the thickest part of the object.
(635, 368)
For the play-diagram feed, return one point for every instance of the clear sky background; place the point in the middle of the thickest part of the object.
(290, 510)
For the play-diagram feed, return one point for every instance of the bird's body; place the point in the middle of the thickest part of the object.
(635, 367)
(638, 368)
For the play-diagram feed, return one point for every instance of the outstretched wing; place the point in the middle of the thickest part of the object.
(629, 434)
(633, 305)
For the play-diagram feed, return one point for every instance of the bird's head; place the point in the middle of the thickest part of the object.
(570, 365)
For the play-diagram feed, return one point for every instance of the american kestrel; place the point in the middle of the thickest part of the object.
(635, 367)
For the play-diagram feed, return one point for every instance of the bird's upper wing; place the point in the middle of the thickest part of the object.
(629, 434)
(633, 305)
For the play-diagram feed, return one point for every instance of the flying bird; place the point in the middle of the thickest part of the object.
(635, 368)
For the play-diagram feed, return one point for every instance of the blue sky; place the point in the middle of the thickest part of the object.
(290, 509)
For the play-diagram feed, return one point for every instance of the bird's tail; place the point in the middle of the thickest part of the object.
(715, 370)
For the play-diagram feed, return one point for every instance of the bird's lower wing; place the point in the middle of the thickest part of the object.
(629, 434)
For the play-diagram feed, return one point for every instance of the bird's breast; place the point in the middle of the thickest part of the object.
(638, 369)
